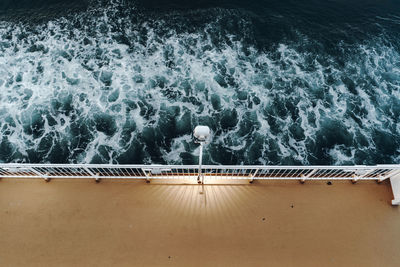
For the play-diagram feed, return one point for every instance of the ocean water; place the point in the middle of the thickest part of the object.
(278, 82)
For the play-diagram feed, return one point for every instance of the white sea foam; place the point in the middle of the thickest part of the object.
(96, 96)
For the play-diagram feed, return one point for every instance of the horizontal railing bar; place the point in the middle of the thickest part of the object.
(346, 167)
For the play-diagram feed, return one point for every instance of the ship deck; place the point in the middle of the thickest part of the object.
(77, 222)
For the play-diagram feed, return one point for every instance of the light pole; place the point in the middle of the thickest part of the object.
(201, 135)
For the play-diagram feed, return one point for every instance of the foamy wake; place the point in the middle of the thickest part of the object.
(112, 89)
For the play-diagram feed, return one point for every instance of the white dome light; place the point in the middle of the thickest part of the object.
(201, 133)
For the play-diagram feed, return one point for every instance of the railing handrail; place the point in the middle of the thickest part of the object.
(79, 165)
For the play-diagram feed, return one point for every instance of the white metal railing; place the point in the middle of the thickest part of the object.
(108, 171)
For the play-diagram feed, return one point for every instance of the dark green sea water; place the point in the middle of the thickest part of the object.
(278, 82)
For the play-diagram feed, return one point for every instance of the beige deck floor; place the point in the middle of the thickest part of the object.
(131, 223)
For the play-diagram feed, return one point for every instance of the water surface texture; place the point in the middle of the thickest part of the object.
(278, 82)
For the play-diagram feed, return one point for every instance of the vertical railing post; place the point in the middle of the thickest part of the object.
(303, 178)
(95, 176)
(395, 184)
(147, 175)
(46, 177)
(252, 176)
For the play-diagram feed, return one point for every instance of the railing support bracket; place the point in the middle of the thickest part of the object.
(303, 179)
(97, 178)
(46, 177)
(147, 175)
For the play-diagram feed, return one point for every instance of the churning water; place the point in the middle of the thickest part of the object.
(279, 82)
